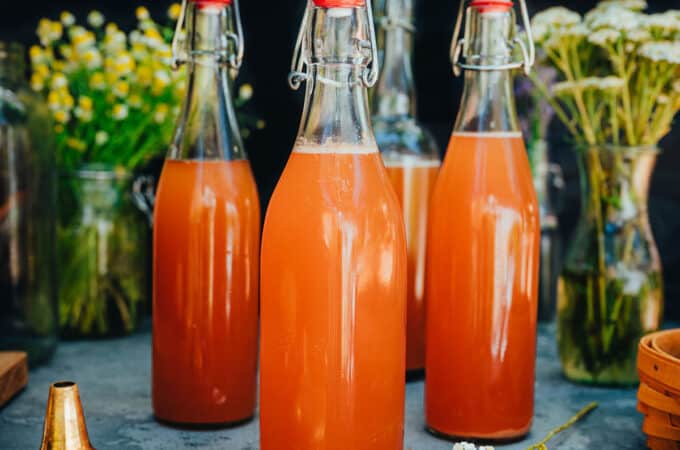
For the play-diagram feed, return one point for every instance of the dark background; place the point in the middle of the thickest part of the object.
(271, 27)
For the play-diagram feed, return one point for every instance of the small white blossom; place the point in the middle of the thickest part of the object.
(557, 16)
(633, 5)
(120, 112)
(59, 81)
(245, 92)
(663, 51)
(67, 19)
(604, 37)
(666, 24)
(638, 36)
(101, 138)
(613, 17)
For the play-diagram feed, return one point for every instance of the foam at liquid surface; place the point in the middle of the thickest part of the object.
(335, 149)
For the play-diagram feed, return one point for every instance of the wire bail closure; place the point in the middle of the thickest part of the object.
(528, 55)
(235, 60)
(299, 66)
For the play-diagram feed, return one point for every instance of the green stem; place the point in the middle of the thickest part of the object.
(543, 445)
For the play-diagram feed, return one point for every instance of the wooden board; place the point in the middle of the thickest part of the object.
(13, 374)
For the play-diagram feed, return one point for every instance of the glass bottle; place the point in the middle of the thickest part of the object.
(28, 296)
(412, 160)
(483, 248)
(334, 258)
(206, 240)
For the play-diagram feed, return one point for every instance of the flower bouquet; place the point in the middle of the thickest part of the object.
(617, 94)
(114, 101)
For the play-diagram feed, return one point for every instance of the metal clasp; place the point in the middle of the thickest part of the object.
(299, 66)
(528, 55)
(234, 59)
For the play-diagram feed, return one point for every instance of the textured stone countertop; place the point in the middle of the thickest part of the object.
(113, 377)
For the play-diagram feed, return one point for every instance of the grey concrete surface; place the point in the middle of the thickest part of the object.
(113, 377)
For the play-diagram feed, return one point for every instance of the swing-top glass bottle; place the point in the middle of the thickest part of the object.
(483, 246)
(334, 258)
(206, 238)
(411, 157)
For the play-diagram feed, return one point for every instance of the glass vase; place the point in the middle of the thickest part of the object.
(611, 290)
(103, 241)
(28, 295)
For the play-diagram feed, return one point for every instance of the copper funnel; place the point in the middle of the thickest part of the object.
(64, 420)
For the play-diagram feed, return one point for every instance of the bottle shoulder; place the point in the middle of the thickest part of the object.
(404, 137)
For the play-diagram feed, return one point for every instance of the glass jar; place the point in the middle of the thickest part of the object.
(28, 308)
(103, 241)
(611, 290)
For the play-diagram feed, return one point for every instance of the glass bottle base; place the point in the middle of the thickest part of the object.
(495, 439)
(203, 426)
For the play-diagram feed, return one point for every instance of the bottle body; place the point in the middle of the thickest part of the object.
(483, 253)
(482, 290)
(206, 257)
(333, 294)
(206, 247)
(333, 270)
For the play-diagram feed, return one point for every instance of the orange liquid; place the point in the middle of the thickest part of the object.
(205, 302)
(413, 183)
(333, 307)
(482, 290)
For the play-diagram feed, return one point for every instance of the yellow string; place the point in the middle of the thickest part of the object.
(580, 415)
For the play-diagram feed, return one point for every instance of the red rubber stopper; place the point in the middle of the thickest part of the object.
(491, 5)
(340, 3)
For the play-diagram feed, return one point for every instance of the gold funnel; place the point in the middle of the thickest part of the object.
(64, 420)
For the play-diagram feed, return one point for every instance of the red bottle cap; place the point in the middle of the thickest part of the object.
(491, 5)
(209, 3)
(340, 3)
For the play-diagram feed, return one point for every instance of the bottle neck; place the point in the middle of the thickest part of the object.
(395, 92)
(488, 103)
(208, 127)
(336, 109)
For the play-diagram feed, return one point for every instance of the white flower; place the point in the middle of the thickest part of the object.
(101, 138)
(638, 36)
(120, 112)
(613, 17)
(633, 5)
(676, 86)
(83, 114)
(67, 19)
(59, 81)
(161, 113)
(556, 16)
(142, 13)
(663, 51)
(470, 446)
(95, 19)
(666, 23)
(92, 58)
(604, 37)
(540, 31)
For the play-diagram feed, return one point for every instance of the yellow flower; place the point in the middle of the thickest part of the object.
(58, 128)
(37, 55)
(95, 19)
(124, 64)
(261, 124)
(111, 28)
(84, 41)
(153, 36)
(49, 31)
(161, 113)
(139, 51)
(62, 116)
(67, 19)
(92, 58)
(174, 11)
(85, 103)
(53, 100)
(97, 81)
(121, 89)
(142, 13)
(67, 100)
(135, 101)
(120, 112)
(144, 75)
(59, 66)
(37, 82)
(59, 81)
(76, 144)
(57, 31)
(66, 51)
(161, 80)
(42, 70)
(245, 92)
